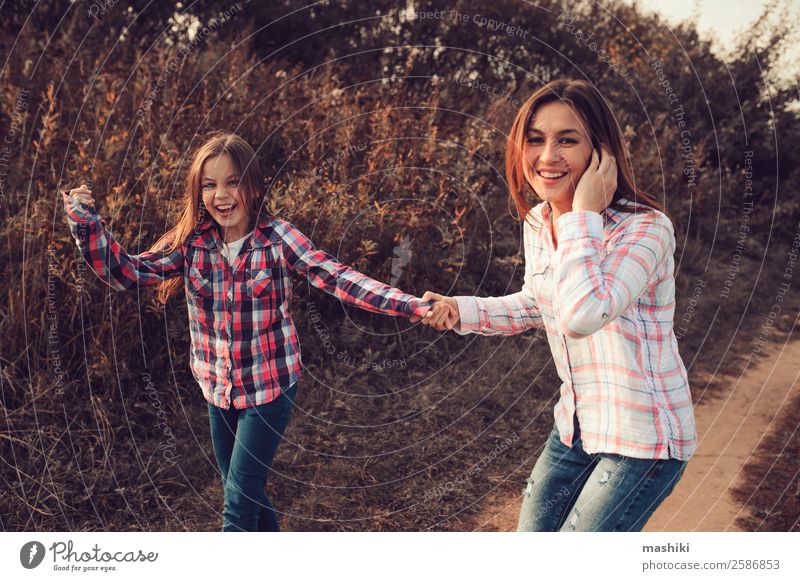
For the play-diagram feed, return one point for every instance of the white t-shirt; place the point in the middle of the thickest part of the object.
(231, 249)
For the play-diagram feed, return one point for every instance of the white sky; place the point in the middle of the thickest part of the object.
(721, 19)
(724, 20)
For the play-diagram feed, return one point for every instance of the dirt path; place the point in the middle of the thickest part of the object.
(730, 427)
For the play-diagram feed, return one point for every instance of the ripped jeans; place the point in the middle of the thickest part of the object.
(570, 490)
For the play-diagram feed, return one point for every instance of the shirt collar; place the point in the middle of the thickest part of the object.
(609, 214)
(207, 234)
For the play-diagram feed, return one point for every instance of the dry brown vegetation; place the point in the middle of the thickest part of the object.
(386, 448)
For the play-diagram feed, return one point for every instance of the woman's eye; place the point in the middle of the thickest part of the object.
(233, 183)
(208, 186)
(535, 140)
(568, 141)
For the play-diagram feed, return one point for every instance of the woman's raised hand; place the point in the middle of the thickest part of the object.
(597, 185)
(82, 194)
(442, 315)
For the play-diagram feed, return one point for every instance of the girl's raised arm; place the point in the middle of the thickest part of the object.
(104, 254)
(327, 273)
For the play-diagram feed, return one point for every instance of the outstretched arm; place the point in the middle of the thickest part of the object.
(105, 255)
(506, 315)
(325, 272)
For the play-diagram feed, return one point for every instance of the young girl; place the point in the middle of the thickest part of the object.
(235, 265)
(599, 279)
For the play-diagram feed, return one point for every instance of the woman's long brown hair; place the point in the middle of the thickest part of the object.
(604, 130)
(193, 212)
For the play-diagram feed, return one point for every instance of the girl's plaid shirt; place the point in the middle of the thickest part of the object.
(606, 299)
(244, 347)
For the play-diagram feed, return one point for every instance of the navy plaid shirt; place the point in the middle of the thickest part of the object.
(244, 347)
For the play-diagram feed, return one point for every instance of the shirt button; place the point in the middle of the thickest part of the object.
(604, 315)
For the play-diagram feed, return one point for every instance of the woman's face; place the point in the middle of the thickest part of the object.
(219, 185)
(557, 151)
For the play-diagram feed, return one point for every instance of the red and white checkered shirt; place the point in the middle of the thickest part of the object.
(244, 347)
(606, 298)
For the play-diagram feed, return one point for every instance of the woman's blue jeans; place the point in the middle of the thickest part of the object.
(570, 490)
(245, 441)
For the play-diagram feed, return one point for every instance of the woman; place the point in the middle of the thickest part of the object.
(599, 278)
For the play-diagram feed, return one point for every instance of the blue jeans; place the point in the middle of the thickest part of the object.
(245, 441)
(570, 490)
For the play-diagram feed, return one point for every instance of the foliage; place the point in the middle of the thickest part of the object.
(370, 136)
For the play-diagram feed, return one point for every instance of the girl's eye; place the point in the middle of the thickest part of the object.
(568, 141)
(535, 140)
(233, 183)
(208, 186)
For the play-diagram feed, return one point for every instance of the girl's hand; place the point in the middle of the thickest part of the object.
(598, 183)
(83, 195)
(444, 313)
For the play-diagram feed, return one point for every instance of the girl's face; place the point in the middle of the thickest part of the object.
(219, 185)
(557, 151)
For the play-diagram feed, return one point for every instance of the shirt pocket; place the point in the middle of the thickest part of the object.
(536, 282)
(200, 283)
(539, 269)
(258, 282)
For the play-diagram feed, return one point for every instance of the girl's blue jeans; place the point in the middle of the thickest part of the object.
(245, 441)
(570, 490)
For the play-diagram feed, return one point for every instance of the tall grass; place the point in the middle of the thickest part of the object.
(103, 426)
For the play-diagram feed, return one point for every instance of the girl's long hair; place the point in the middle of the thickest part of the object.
(193, 212)
(604, 130)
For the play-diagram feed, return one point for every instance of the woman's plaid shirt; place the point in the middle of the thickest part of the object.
(606, 299)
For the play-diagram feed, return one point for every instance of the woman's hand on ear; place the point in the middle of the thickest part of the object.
(597, 185)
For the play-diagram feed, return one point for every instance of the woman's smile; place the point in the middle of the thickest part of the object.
(551, 177)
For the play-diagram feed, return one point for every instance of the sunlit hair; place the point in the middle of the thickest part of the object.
(603, 129)
(193, 212)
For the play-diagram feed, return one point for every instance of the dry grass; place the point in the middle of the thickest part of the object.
(81, 443)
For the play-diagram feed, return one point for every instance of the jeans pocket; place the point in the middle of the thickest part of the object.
(286, 398)
(674, 481)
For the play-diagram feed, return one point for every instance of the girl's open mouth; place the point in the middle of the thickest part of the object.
(225, 209)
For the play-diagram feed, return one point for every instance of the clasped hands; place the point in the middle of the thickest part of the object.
(443, 315)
